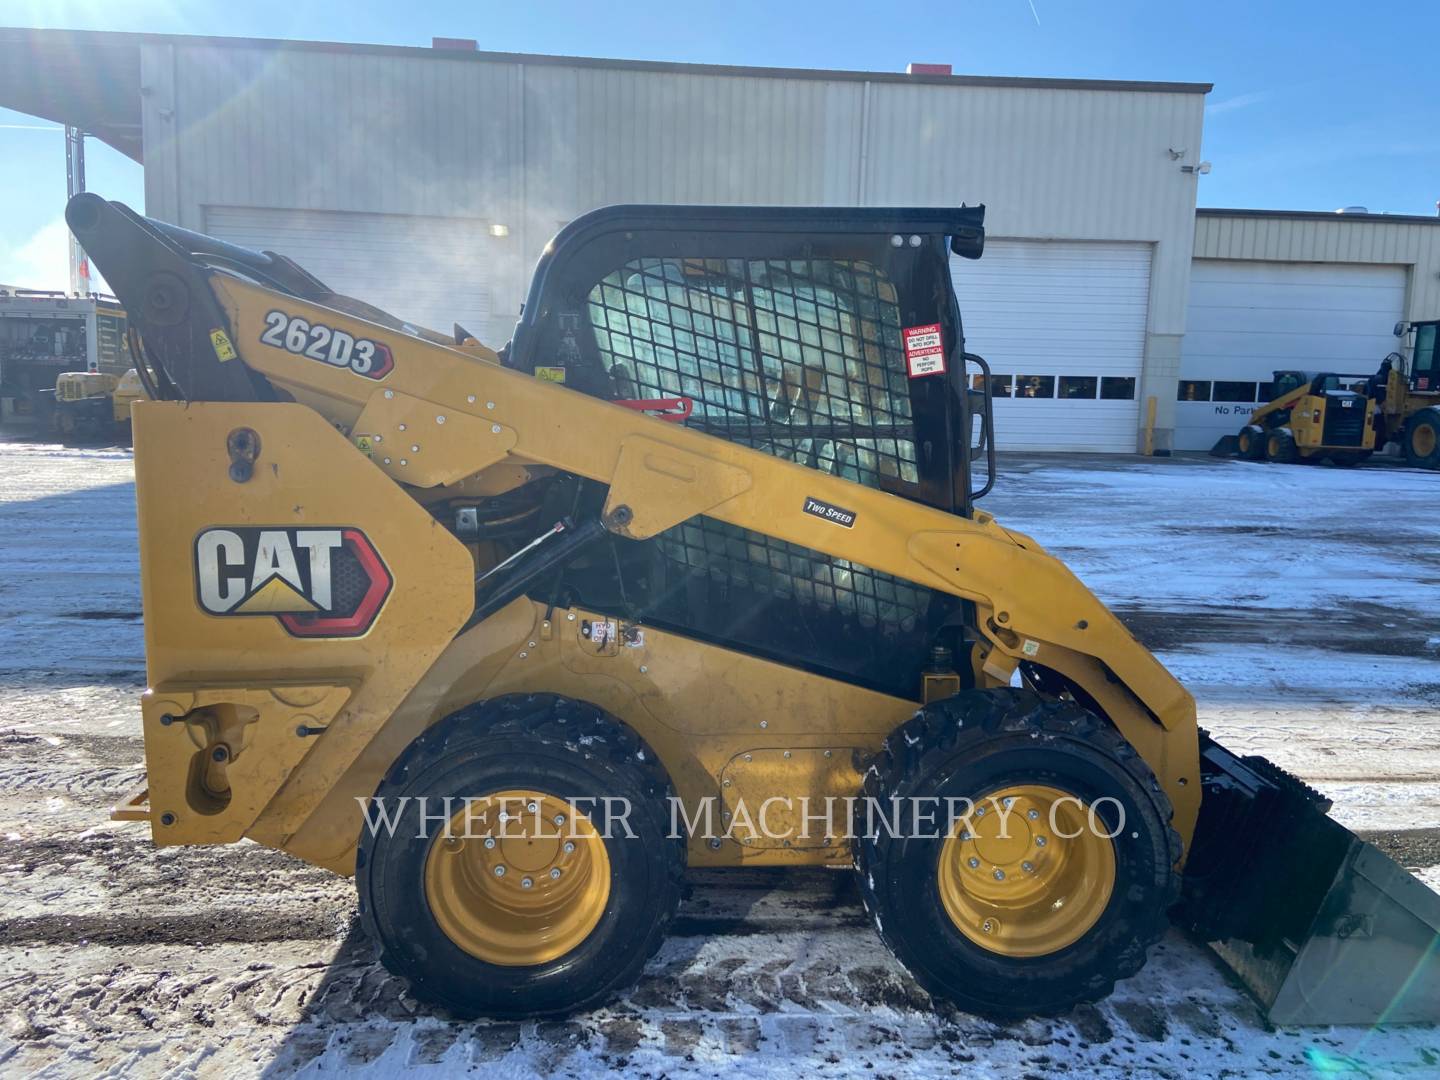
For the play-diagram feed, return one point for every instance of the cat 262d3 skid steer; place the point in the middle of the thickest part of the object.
(689, 574)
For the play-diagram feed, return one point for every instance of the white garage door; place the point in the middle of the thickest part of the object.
(426, 270)
(1249, 319)
(1065, 322)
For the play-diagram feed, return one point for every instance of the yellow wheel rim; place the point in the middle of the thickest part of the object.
(1423, 440)
(1025, 875)
(517, 878)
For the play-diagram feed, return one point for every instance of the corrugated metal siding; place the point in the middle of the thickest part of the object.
(534, 145)
(1339, 240)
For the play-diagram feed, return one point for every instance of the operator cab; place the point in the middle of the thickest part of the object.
(1425, 367)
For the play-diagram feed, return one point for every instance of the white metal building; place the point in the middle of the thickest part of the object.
(428, 180)
(1271, 290)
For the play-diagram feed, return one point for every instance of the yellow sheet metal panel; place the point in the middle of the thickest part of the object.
(699, 706)
(316, 567)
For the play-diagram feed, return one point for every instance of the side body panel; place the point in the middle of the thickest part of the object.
(274, 718)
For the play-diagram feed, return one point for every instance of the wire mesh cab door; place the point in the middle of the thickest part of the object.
(830, 338)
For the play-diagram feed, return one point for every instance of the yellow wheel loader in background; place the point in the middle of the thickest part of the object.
(1410, 402)
(689, 574)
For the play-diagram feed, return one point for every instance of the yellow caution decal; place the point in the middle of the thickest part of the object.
(550, 374)
(365, 444)
(220, 341)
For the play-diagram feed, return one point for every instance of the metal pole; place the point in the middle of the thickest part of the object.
(74, 185)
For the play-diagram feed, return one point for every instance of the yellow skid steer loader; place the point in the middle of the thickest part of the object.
(1310, 417)
(689, 574)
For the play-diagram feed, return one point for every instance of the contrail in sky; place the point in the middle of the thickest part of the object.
(1034, 12)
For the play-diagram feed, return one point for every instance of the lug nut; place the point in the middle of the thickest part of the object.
(569, 847)
(964, 834)
(999, 875)
(555, 874)
(1007, 802)
(489, 842)
(499, 871)
(973, 863)
(979, 811)
(1028, 867)
(1040, 841)
(988, 926)
(1033, 815)
(525, 883)
(532, 807)
(559, 819)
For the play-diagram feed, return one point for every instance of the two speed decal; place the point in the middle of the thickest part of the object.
(830, 512)
(372, 359)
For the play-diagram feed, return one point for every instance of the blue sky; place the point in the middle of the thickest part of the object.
(1316, 105)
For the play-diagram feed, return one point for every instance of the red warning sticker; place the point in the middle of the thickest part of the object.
(924, 352)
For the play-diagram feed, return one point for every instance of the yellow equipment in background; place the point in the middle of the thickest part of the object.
(1409, 403)
(94, 404)
(1310, 417)
(1316, 416)
(689, 574)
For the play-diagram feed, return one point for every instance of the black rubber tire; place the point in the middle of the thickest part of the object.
(541, 742)
(1250, 443)
(1429, 420)
(980, 741)
(1280, 447)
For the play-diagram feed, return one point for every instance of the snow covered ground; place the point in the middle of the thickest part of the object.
(117, 958)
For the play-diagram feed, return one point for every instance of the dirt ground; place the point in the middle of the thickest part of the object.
(119, 958)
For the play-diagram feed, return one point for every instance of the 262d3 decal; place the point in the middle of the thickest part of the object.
(319, 583)
(372, 359)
